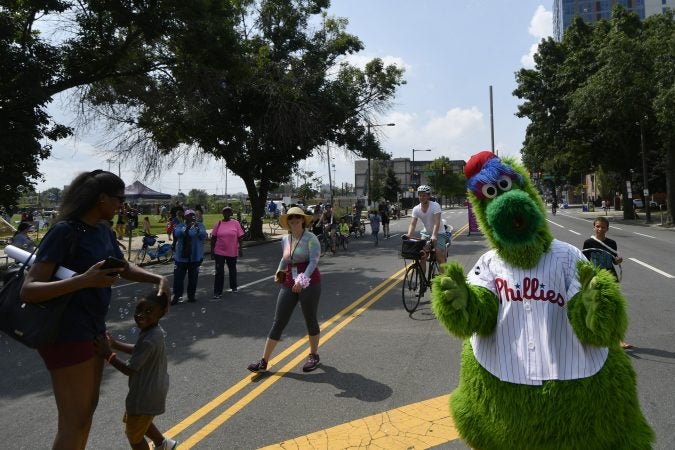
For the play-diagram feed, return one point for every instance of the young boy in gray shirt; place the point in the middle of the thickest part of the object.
(146, 369)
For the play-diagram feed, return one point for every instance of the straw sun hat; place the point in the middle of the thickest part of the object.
(294, 211)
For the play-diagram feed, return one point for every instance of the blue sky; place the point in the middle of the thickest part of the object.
(452, 51)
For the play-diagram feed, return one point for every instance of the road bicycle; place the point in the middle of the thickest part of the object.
(163, 252)
(342, 240)
(274, 225)
(326, 241)
(247, 229)
(417, 280)
(604, 259)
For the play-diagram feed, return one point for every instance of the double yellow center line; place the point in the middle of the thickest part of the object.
(333, 325)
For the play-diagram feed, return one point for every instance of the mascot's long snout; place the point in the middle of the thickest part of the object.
(514, 217)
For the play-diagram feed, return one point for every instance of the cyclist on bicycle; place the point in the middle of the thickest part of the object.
(554, 206)
(329, 224)
(429, 212)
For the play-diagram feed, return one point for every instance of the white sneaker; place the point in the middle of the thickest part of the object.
(168, 444)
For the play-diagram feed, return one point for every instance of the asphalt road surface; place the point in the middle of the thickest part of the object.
(385, 374)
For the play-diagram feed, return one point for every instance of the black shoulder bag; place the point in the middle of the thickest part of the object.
(32, 324)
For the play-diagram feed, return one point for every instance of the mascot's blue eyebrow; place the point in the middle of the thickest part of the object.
(492, 170)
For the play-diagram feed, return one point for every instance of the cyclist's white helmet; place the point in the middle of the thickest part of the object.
(424, 188)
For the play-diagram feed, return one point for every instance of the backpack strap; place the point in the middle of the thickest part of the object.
(615, 253)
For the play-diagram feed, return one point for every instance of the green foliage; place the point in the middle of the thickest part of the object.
(392, 186)
(589, 95)
(444, 180)
(256, 86)
(197, 197)
(305, 192)
(95, 41)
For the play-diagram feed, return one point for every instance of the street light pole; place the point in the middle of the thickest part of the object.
(369, 126)
(645, 187)
(412, 166)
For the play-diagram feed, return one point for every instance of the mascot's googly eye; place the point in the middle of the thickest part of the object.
(504, 183)
(489, 190)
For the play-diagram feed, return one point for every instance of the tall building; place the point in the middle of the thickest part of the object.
(564, 11)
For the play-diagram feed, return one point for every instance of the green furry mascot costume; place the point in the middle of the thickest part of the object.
(541, 364)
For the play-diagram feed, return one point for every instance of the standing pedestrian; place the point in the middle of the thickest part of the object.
(81, 244)
(603, 252)
(226, 239)
(385, 222)
(146, 225)
(121, 220)
(375, 221)
(147, 372)
(298, 274)
(189, 239)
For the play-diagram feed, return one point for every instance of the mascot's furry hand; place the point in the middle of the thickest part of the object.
(598, 311)
(463, 309)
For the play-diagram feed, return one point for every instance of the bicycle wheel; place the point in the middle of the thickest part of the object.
(345, 242)
(140, 256)
(412, 284)
(324, 244)
(434, 269)
(169, 256)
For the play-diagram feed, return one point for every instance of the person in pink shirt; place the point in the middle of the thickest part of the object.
(226, 239)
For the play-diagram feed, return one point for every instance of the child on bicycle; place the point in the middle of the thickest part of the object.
(343, 228)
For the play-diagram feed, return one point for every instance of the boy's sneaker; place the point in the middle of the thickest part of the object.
(217, 296)
(312, 362)
(257, 367)
(176, 300)
(168, 444)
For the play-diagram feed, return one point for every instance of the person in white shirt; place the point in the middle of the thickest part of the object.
(429, 213)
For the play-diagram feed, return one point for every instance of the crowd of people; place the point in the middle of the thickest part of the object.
(82, 238)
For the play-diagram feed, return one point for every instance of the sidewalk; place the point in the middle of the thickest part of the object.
(617, 216)
(137, 243)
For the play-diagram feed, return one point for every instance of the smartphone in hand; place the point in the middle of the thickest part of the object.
(113, 263)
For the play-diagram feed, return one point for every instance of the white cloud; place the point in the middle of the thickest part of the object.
(541, 26)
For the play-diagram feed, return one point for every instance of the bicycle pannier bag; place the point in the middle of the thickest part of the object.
(410, 249)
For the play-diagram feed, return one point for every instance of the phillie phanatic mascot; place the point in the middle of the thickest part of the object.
(541, 363)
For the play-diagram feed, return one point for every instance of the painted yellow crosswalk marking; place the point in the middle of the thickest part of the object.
(417, 426)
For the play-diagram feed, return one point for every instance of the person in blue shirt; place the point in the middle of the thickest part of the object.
(81, 240)
(189, 239)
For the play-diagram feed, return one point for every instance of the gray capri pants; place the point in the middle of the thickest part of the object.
(286, 303)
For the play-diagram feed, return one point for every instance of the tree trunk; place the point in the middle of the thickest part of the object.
(628, 208)
(257, 197)
(670, 192)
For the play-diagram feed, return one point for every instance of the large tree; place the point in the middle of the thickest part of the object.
(263, 107)
(50, 46)
(591, 98)
(444, 181)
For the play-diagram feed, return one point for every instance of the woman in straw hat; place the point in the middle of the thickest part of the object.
(300, 280)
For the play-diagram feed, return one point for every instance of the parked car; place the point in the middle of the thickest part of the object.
(653, 205)
(637, 203)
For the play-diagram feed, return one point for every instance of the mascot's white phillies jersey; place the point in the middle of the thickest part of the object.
(533, 340)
